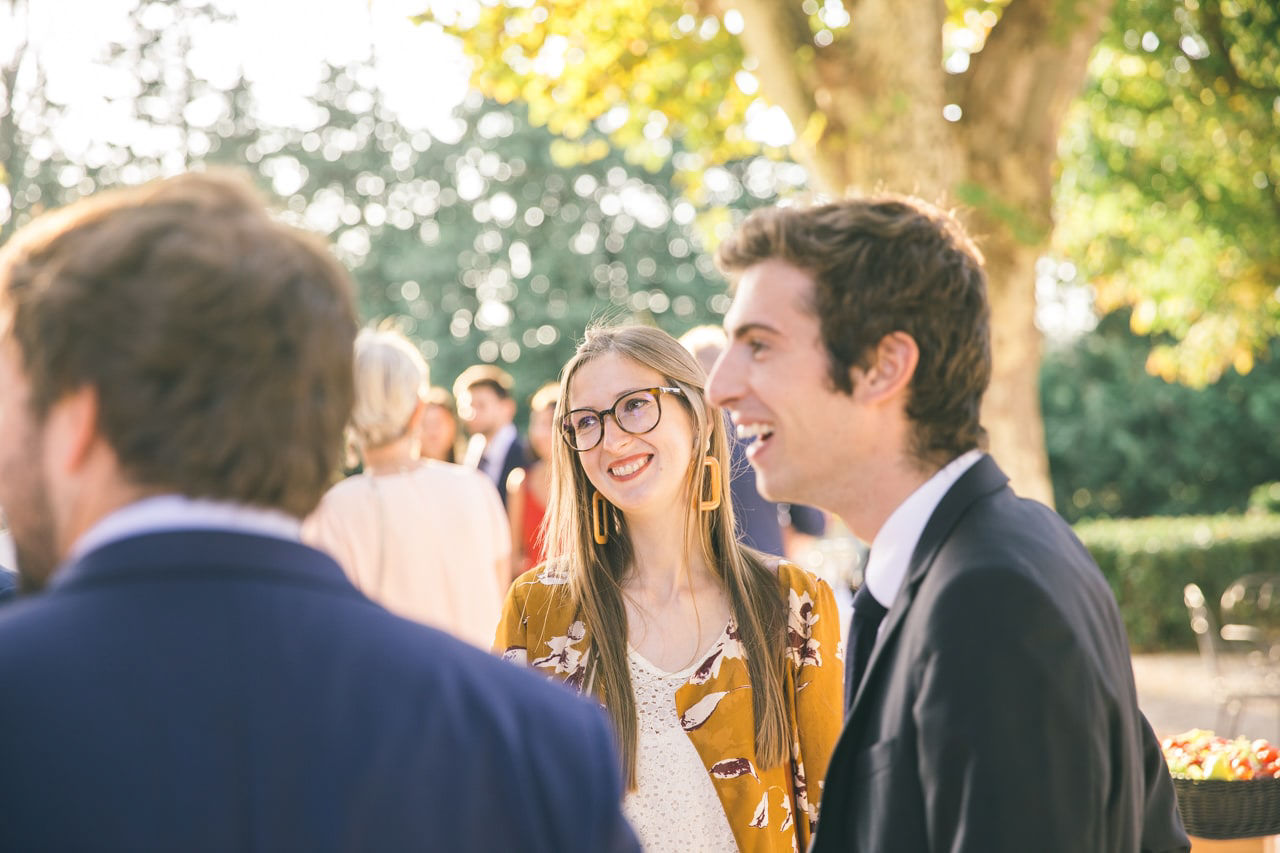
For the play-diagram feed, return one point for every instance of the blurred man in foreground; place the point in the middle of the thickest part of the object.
(175, 374)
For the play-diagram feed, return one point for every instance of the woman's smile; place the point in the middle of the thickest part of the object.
(630, 467)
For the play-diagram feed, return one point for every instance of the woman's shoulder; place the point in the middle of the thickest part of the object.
(797, 579)
(539, 607)
(347, 492)
(439, 470)
(545, 584)
(453, 479)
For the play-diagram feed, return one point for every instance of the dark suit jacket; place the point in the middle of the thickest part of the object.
(8, 585)
(228, 692)
(518, 456)
(998, 712)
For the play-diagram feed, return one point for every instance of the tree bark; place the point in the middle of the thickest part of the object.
(877, 93)
(1011, 408)
(1014, 100)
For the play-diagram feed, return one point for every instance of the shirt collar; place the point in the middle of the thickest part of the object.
(496, 451)
(891, 551)
(179, 512)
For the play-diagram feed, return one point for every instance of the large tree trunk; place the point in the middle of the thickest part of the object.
(868, 112)
(1011, 409)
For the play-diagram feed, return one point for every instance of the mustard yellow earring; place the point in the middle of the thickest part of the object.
(600, 518)
(712, 474)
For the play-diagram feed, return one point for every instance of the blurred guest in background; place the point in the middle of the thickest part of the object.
(440, 436)
(426, 539)
(784, 529)
(527, 488)
(485, 404)
(175, 374)
(720, 666)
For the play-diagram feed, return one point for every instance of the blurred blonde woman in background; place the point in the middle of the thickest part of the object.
(427, 539)
(719, 666)
(528, 487)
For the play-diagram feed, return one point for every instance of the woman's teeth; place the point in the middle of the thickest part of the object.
(629, 468)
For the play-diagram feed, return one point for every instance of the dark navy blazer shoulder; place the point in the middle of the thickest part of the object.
(212, 690)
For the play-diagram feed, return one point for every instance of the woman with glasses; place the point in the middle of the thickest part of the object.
(719, 666)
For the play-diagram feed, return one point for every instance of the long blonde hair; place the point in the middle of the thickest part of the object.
(596, 572)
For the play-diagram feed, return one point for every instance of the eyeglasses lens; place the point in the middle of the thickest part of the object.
(635, 413)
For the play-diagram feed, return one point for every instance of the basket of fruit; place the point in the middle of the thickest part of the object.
(1226, 788)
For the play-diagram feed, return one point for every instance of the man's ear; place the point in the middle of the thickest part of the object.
(892, 364)
(71, 428)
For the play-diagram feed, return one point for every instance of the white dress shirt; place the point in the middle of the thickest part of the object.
(891, 551)
(178, 512)
(495, 452)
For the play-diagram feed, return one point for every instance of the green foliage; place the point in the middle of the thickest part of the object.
(1169, 198)
(1265, 498)
(1124, 443)
(483, 248)
(480, 246)
(652, 71)
(178, 117)
(1148, 561)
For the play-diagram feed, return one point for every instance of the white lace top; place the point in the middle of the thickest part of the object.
(674, 807)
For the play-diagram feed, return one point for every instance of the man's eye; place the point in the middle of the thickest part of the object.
(756, 346)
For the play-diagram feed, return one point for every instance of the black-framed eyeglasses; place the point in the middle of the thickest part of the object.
(635, 412)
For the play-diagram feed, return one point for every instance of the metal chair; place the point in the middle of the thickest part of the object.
(1251, 606)
(1237, 678)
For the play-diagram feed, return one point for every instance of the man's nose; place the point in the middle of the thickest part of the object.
(723, 380)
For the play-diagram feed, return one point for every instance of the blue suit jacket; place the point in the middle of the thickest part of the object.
(209, 690)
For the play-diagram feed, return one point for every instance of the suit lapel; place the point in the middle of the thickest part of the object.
(980, 480)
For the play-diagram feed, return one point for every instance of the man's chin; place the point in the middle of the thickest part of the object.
(775, 489)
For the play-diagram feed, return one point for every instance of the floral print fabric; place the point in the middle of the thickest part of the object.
(769, 809)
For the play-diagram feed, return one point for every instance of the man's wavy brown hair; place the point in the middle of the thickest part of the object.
(882, 265)
(218, 339)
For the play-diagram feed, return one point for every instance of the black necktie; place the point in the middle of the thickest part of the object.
(863, 625)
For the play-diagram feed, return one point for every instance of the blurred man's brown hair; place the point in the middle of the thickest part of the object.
(218, 340)
(488, 376)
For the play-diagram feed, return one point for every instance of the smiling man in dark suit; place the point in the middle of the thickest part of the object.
(991, 703)
(184, 674)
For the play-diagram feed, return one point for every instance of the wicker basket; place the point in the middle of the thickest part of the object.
(1221, 808)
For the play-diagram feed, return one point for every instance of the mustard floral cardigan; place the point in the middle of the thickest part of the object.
(769, 809)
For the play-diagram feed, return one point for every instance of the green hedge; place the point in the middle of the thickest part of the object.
(1148, 561)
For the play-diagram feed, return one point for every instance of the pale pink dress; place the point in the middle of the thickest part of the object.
(431, 544)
